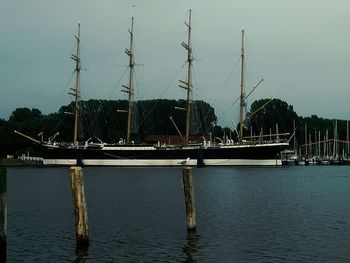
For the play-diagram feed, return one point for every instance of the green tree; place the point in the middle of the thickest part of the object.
(276, 112)
(24, 114)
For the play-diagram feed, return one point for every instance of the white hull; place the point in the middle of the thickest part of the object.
(59, 162)
(162, 162)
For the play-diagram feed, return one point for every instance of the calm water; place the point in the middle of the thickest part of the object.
(278, 214)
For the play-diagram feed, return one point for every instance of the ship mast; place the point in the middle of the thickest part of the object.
(242, 97)
(76, 90)
(130, 89)
(187, 85)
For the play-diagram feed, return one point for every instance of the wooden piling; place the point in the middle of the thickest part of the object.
(188, 187)
(3, 214)
(80, 211)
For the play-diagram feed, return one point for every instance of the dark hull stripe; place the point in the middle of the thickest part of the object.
(128, 156)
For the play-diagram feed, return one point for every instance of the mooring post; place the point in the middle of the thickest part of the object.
(188, 187)
(80, 211)
(3, 214)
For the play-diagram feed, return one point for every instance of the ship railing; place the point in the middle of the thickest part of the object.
(244, 142)
(90, 143)
(30, 158)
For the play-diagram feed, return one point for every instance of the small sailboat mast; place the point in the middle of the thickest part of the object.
(242, 97)
(76, 90)
(347, 138)
(129, 89)
(187, 85)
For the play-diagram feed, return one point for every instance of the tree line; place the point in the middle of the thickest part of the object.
(101, 119)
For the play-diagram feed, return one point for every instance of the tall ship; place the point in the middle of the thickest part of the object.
(246, 151)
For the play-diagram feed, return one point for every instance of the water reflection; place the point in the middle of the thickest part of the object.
(190, 248)
(82, 253)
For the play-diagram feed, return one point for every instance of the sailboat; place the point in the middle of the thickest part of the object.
(204, 153)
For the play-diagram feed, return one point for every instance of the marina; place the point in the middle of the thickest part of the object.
(320, 149)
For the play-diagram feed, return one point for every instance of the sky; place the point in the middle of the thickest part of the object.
(301, 49)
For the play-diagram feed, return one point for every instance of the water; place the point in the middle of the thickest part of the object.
(277, 214)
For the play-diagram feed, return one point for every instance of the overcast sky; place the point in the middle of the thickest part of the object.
(301, 48)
